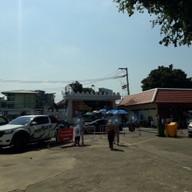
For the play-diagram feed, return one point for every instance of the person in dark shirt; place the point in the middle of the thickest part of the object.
(110, 130)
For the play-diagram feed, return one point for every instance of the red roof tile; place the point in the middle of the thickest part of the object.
(158, 95)
(140, 98)
(174, 96)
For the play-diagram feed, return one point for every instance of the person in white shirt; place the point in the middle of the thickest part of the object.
(116, 123)
(77, 135)
(80, 122)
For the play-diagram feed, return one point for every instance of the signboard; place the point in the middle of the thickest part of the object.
(65, 135)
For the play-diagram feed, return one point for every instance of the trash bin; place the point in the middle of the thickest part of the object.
(161, 130)
(171, 129)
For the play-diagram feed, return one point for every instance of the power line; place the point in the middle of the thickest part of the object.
(113, 76)
(117, 76)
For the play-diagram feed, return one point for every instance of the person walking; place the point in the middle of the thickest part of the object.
(110, 130)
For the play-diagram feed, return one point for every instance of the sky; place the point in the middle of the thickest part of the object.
(47, 44)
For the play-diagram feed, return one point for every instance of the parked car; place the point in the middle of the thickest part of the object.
(3, 120)
(95, 126)
(26, 129)
(190, 128)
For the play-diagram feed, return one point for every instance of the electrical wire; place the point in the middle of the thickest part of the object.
(117, 74)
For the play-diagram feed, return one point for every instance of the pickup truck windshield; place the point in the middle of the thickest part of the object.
(20, 121)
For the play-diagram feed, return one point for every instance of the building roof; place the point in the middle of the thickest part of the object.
(80, 106)
(61, 104)
(174, 96)
(158, 95)
(19, 91)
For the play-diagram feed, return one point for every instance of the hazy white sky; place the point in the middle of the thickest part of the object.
(64, 40)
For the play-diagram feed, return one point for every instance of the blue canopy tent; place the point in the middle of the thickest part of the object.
(117, 112)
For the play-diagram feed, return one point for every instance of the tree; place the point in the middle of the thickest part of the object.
(166, 77)
(78, 87)
(174, 17)
(88, 90)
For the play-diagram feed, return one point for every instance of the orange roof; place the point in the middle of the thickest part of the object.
(140, 98)
(158, 95)
(174, 96)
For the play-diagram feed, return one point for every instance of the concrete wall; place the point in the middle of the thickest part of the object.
(142, 113)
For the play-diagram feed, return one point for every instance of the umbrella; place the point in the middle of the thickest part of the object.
(120, 112)
(96, 111)
(103, 111)
(89, 113)
(112, 111)
(117, 112)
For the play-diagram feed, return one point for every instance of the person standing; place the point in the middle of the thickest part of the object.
(117, 122)
(80, 122)
(77, 135)
(110, 130)
(82, 130)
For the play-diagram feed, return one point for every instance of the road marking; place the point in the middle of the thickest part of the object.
(188, 168)
(138, 143)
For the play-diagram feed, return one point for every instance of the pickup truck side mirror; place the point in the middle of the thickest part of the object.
(33, 123)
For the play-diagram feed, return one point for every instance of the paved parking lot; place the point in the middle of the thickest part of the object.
(142, 162)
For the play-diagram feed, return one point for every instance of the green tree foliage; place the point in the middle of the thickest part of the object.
(166, 77)
(87, 89)
(174, 17)
(78, 87)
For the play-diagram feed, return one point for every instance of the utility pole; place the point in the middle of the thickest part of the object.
(127, 80)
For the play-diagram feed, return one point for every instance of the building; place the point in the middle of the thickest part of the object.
(105, 91)
(75, 103)
(19, 102)
(159, 105)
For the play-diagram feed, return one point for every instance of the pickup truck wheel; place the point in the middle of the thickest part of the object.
(20, 143)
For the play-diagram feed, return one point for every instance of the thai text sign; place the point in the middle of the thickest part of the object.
(65, 135)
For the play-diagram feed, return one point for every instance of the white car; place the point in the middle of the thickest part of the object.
(26, 129)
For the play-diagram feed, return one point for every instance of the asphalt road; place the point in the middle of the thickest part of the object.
(142, 162)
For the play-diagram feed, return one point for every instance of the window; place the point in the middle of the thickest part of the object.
(11, 97)
(41, 120)
(53, 119)
(3, 121)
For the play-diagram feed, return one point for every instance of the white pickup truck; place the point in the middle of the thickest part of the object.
(27, 129)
